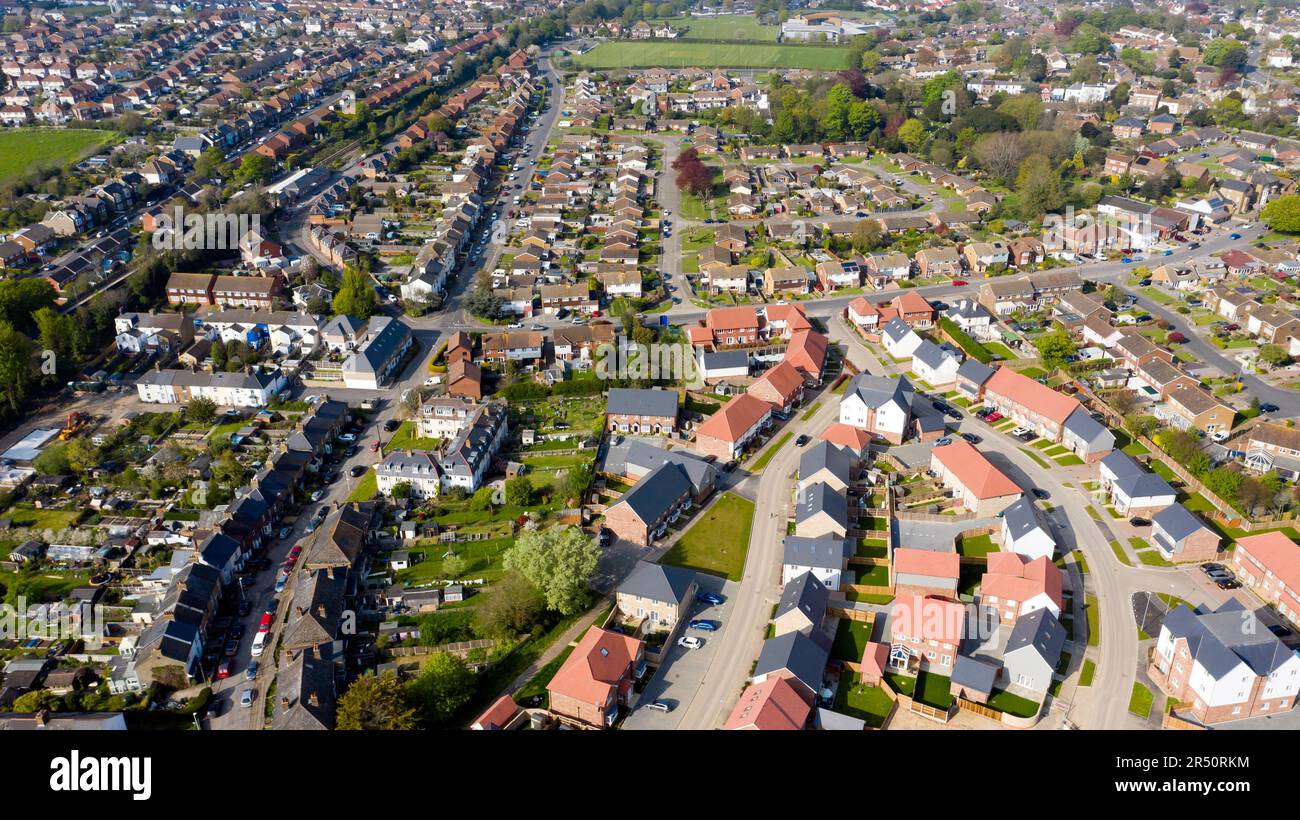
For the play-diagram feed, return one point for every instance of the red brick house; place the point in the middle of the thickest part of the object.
(727, 432)
(597, 679)
(781, 387)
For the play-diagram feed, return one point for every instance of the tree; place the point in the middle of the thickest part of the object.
(577, 480)
(1273, 355)
(867, 236)
(201, 410)
(693, 176)
(482, 302)
(912, 134)
(1000, 153)
(1283, 214)
(1039, 187)
(482, 500)
(444, 685)
(53, 460)
(355, 298)
(15, 367)
(255, 168)
(1225, 53)
(1026, 109)
(1054, 347)
(375, 702)
(401, 490)
(511, 609)
(519, 491)
(560, 562)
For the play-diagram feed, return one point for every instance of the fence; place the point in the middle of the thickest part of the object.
(1172, 721)
(903, 515)
(461, 648)
(868, 589)
(979, 709)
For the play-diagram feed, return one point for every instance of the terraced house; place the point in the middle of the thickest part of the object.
(642, 411)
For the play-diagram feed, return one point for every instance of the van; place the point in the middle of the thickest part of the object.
(259, 643)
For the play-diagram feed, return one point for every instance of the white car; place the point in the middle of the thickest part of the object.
(347, 438)
(432, 380)
(1218, 436)
(1020, 431)
(690, 642)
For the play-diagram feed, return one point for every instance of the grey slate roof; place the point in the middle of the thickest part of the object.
(974, 371)
(1119, 463)
(647, 402)
(877, 391)
(827, 456)
(643, 456)
(1178, 522)
(823, 553)
(1092, 432)
(819, 498)
(895, 329)
(1221, 640)
(974, 674)
(658, 582)
(725, 359)
(650, 497)
(806, 594)
(1144, 485)
(1039, 631)
(1022, 518)
(802, 655)
(930, 354)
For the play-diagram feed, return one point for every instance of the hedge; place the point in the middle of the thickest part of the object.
(972, 348)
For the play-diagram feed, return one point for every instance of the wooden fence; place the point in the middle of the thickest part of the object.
(979, 709)
(868, 589)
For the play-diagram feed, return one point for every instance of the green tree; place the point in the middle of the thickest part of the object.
(1054, 347)
(444, 685)
(375, 702)
(519, 491)
(255, 168)
(15, 367)
(560, 562)
(912, 134)
(1039, 186)
(355, 297)
(512, 609)
(1283, 214)
(201, 410)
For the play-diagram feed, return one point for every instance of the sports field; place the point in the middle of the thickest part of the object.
(24, 149)
(676, 54)
(742, 27)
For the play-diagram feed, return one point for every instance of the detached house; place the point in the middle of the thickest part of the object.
(597, 679)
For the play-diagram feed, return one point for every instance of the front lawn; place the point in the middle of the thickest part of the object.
(1094, 618)
(763, 460)
(977, 546)
(405, 437)
(1140, 702)
(716, 542)
(366, 489)
(1085, 674)
(851, 639)
(1004, 701)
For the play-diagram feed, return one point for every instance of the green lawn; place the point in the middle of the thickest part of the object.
(736, 27)
(807, 414)
(877, 576)
(769, 454)
(1004, 701)
(716, 542)
(851, 639)
(1094, 616)
(44, 519)
(977, 546)
(1152, 558)
(1139, 703)
(366, 489)
(1086, 674)
(684, 54)
(868, 703)
(405, 438)
(26, 149)
(1118, 549)
(926, 688)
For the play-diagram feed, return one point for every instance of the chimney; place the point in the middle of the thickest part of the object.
(313, 700)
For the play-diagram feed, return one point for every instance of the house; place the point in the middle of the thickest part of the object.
(1131, 487)
(807, 352)
(889, 408)
(823, 558)
(1026, 531)
(1192, 406)
(820, 512)
(899, 340)
(724, 366)
(982, 488)
(661, 594)
(729, 431)
(1033, 651)
(379, 353)
(639, 411)
(636, 459)
(776, 704)
(802, 607)
(465, 380)
(644, 512)
(733, 326)
(1269, 563)
(936, 366)
(781, 386)
(597, 679)
(939, 262)
(827, 464)
(798, 657)
(914, 310)
(785, 281)
(502, 715)
(925, 633)
(973, 318)
(1274, 447)
(1050, 414)
(1225, 664)
(1181, 536)
(417, 470)
(973, 679)
(1014, 586)
(925, 572)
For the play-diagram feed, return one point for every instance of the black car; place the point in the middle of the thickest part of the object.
(983, 412)
(730, 465)
(1268, 408)
(1028, 436)
(358, 470)
(801, 441)
(1041, 494)
(245, 607)
(237, 631)
(1280, 631)
(232, 647)
(1139, 522)
(391, 425)
(971, 437)
(1227, 584)
(953, 413)
(1213, 568)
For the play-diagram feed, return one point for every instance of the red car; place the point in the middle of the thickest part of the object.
(296, 551)
(265, 624)
(959, 283)
(992, 417)
(374, 447)
(223, 669)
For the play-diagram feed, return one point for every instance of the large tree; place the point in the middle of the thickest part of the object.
(356, 297)
(560, 562)
(1039, 187)
(1283, 214)
(509, 608)
(444, 685)
(376, 702)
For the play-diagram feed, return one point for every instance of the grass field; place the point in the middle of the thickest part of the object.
(717, 540)
(669, 54)
(24, 149)
(738, 27)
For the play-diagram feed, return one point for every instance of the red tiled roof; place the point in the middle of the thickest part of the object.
(911, 302)
(596, 666)
(1013, 576)
(975, 472)
(735, 418)
(1039, 398)
(928, 618)
(862, 307)
(773, 705)
(1277, 553)
(785, 379)
(498, 714)
(791, 314)
(927, 562)
(846, 436)
(807, 351)
(732, 318)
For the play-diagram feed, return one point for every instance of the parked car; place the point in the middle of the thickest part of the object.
(707, 597)
(246, 699)
(232, 648)
(357, 470)
(317, 495)
(660, 706)
(959, 283)
(1234, 235)
(1138, 521)
(801, 441)
(347, 438)
(391, 425)
(285, 532)
(971, 437)
(245, 607)
(1208, 568)
(251, 671)
(704, 624)
(1227, 583)
(992, 417)
(223, 669)
(945, 440)
(690, 642)
(1268, 408)
(1041, 493)
(1218, 436)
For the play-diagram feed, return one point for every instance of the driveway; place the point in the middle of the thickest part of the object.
(680, 677)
